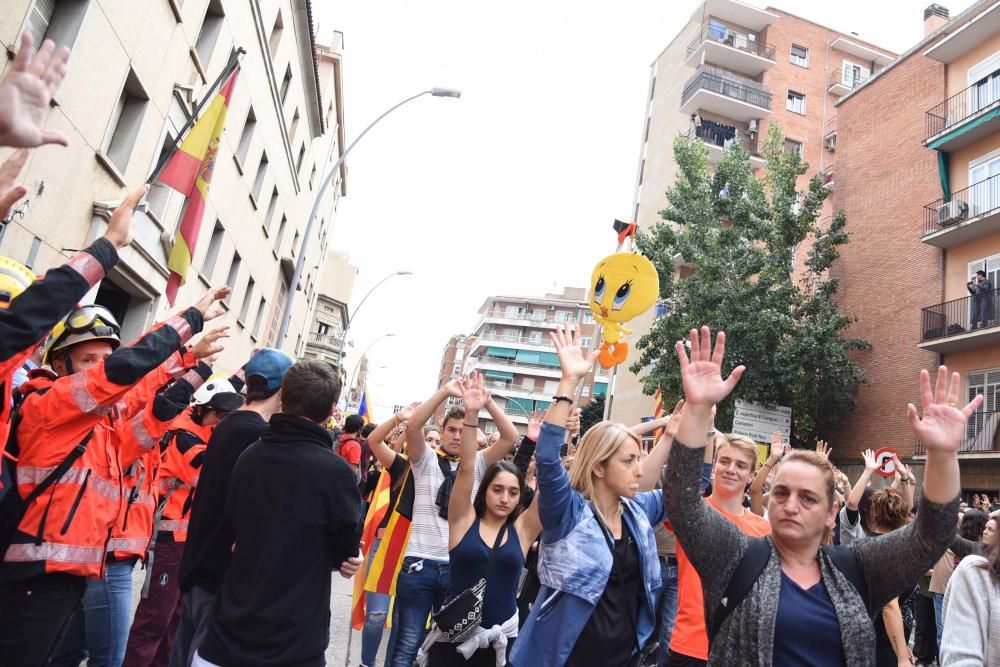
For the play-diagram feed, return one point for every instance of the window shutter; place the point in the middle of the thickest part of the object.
(38, 21)
(116, 116)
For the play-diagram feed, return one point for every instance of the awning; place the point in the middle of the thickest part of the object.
(500, 375)
(600, 388)
(502, 352)
(963, 128)
(548, 358)
(528, 356)
(519, 406)
(943, 175)
(542, 405)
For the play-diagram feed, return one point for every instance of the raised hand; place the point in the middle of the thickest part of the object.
(902, 470)
(210, 344)
(534, 425)
(403, 415)
(702, 373)
(870, 462)
(454, 388)
(121, 225)
(574, 361)
(675, 420)
(210, 305)
(823, 449)
(573, 423)
(11, 169)
(474, 394)
(942, 425)
(25, 94)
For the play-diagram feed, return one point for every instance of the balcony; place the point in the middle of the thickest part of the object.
(844, 81)
(543, 319)
(963, 324)
(717, 138)
(963, 118)
(330, 341)
(967, 215)
(732, 48)
(725, 94)
(980, 435)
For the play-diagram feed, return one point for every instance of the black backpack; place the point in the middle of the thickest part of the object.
(12, 506)
(752, 565)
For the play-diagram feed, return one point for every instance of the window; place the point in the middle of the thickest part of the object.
(563, 316)
(245, 308)
(294, 126)
(796, 102)
(234, 270)
(58, 20)
(551, 386)
(799, 56)
(585, 342)
(793, 147)
(312, 183)
(261, 307)
(286, 83)
(276, 30)
(246, 136)
(588, 317)
(258, 182)
(512, 312)
(989, 264)
(985, 382)
(853, 75)
(984, 195)
(36, 245)
(295, 243)
(280, 234)
(528, 383)
(279, 307)
(535, 337)
(208, 266)
(272, 206)
(211, 28)
(161, 196)
(126, 121)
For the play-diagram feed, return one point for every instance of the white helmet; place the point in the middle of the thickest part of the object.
(218, 394)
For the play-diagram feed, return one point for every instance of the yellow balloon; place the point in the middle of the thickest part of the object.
(622, 286)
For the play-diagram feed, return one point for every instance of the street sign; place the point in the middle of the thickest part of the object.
(758, 422)
(886, 465)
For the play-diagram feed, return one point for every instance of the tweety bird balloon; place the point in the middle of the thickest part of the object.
(622, 286)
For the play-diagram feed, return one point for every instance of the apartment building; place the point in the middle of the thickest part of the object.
(733, 70)
(922, 194)
(510, 346)
(137, 72)
(453, 361)
(328, 315)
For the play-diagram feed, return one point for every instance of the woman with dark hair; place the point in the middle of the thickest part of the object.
(888, 511)
(972, 608)
(488, 537)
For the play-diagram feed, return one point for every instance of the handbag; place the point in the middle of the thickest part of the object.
(459, 617)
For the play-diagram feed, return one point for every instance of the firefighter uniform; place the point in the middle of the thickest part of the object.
(62, 536)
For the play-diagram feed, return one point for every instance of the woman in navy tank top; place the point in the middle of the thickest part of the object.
(473, 526)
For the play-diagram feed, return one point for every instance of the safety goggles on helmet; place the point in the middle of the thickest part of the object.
(14, 279)
(86, 323)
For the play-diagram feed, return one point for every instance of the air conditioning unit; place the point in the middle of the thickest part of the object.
(752, 126)
(831, 142)
(952, 212)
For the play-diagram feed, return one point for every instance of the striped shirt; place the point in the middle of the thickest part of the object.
(429, 532)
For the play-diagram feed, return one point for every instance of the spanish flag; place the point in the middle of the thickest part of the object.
(189, 171)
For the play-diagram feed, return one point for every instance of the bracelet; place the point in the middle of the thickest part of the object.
(470, 425)
(556, 399)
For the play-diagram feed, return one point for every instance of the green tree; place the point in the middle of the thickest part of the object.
(592, 413)
(739, 236)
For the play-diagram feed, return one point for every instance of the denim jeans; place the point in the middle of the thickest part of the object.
(98, 631)
(939, 617)
(376, 610)
(666, 612)
(421, 587)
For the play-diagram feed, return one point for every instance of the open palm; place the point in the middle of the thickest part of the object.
(25, 94)
(573, 360)
(942, 425)
(702, 373)
(474, 394)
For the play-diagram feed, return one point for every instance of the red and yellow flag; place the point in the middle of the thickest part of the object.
(658, 412)
(189, 171)
(376, 512)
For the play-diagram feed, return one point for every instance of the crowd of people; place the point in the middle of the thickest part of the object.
(239, 500)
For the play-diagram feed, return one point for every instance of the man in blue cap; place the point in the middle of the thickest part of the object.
(210, 538)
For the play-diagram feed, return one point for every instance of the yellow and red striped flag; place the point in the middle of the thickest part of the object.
(376, 512)
(189, 171)
(657, 412)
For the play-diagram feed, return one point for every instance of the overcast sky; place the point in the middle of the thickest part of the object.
(513, 188)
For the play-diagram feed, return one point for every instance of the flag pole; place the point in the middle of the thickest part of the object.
(230, 67)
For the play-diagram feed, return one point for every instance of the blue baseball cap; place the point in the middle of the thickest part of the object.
(270, 365)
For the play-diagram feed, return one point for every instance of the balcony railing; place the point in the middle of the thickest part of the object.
(333, 340)
(543, 340)
(728, 86)
(961, 106)
(980, 434)
(486, 359)
(848, 80)
(978, 199)
(953, 318)
(723, 138)
(748, 42)
(541, 317)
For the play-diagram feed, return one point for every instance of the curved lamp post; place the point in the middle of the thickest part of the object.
(300, 260)
(350, 317)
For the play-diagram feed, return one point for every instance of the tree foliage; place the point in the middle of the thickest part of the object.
(739, 237)
(592, 413)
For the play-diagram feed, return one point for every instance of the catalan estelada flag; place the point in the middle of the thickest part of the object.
(363, 407)
(381, 576)
(376, 512)
(189, 171)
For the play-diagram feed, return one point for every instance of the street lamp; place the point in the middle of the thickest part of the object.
(354, 373)
(300, 260)
(350, 317)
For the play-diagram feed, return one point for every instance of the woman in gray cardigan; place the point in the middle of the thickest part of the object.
(802, 609)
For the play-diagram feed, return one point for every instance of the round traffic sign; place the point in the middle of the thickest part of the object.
(886, 464)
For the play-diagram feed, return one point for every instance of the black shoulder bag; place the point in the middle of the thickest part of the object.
(458, 618)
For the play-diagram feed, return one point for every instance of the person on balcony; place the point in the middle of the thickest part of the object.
(980, 289)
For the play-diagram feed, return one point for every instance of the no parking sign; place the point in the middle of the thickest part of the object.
(886, 465)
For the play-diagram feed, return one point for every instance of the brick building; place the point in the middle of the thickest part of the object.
(921, 188)
(452, 366)
(733, 70)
